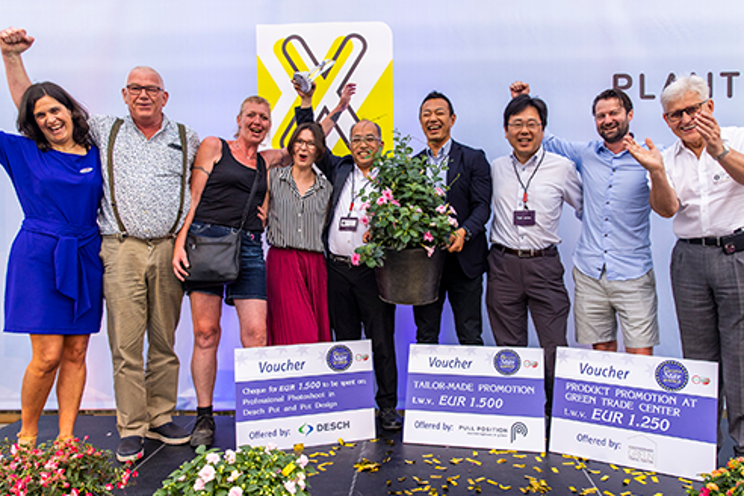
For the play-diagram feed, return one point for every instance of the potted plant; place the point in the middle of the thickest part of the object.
(408, 221)
(72, 467)
(255, 471)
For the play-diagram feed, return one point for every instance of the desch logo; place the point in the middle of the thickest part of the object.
(507, 362)
(339, 358)
(305, 429)
(671, 375)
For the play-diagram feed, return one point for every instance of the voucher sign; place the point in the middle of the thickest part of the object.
(474, 396)
(651, 413)
(312, 394)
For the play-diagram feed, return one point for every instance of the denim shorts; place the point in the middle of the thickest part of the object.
(251, 283)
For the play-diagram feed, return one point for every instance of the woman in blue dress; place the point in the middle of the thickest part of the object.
(53, 286)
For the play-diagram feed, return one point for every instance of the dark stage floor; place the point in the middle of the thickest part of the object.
(403, 469)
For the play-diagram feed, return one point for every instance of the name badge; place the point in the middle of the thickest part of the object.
(348, 224)
(524, 217)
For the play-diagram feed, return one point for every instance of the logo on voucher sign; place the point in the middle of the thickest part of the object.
(507, 362)
(671, 375)
(339, 358)
(338, 425)
(518, 429)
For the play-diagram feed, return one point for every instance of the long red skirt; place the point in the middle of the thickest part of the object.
(297, 297)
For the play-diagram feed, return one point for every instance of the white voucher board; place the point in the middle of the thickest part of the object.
(650, 413)
(312, 394)
(475, 397)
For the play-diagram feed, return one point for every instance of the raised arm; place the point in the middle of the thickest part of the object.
(732, 161)
(210, 151)
(13, 42)
(343, 103)
(519, 88)
(663, 198)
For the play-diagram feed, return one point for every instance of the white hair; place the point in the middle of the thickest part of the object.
(683, 85)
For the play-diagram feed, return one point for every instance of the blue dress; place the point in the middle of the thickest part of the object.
(55, 274)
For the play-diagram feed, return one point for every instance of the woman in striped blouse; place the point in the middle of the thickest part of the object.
(296, 277)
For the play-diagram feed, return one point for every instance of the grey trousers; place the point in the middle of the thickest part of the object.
(708, 288)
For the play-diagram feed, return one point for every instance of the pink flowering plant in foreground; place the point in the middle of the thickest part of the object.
(254, 471)
(71, 467)
(406, 205)
(724, 481)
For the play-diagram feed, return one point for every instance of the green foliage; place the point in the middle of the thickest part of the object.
(724, 481)
(72, 467)
(405, 205)
(259, 471)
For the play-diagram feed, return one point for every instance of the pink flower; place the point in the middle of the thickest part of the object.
(364, 220)
(428, 237)
(387, 194)
(235, 491)
(438, 191)
(302, 461)
(230, 456)
(234, 475)
(301, 483)
(269, 448)
(395, 202)
(429, 251)
(213, 458)
(207, 473)
(452, 210)
(290, 486)
(199, 485)
(355, 258)
(364, 206)
(452, 221)
(381, 200)
(441, 209)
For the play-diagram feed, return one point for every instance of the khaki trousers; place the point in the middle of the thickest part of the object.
(143, 296)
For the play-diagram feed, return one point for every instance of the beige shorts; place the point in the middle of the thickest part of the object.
(599, 304)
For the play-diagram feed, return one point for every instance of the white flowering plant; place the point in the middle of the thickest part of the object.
(255, 471)
(405, 207)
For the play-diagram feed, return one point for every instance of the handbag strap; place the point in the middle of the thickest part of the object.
(110, 166)
(260, 169)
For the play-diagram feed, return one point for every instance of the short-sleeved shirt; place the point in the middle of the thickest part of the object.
(710, 201)
(147, 177)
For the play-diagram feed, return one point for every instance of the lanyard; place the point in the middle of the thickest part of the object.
(354, 193)
(524, 187)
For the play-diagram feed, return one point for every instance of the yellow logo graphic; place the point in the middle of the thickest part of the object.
(362, 54)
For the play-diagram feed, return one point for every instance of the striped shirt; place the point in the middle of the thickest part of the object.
(147, 177)
(297, 221)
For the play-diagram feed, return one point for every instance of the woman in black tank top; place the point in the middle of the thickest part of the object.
(221, 183)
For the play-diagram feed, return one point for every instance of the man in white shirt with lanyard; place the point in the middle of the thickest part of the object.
(700, 182)
(524, 267)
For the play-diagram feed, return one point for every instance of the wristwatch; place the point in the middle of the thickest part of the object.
(468, 234)
(725, 151)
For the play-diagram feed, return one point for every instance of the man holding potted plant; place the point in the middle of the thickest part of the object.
(353, 297)
(524, 267)
(468, 183)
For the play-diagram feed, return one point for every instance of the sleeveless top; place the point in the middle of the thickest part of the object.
(227, 189)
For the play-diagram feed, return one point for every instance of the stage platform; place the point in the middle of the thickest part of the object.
(404, 469)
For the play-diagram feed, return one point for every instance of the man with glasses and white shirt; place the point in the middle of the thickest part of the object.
(353, 298)
(700, 182)
(524, 267)
(146, 159)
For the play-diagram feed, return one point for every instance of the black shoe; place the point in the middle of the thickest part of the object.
(390, 420)
(169, 433)
(203, 433)
(130, 448)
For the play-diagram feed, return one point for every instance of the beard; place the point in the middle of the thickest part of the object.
(615, 134)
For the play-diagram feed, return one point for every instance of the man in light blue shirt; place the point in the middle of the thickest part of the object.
(613, 268)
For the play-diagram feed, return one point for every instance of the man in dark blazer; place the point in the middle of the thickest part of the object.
(469, 182)
(353, 297)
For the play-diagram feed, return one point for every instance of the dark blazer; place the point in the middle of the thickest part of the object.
(335, 168)
(469, 180)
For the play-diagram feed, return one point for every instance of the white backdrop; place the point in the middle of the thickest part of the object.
(471, 50)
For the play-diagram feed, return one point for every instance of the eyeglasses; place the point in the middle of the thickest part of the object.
(300, 143)
(369, 139)
(136, 89)
(531, 125)
(692, 111)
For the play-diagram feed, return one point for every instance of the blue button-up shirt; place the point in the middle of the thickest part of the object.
(444, 153)
(615, 226)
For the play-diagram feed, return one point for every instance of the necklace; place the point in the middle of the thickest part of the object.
(248, 157)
